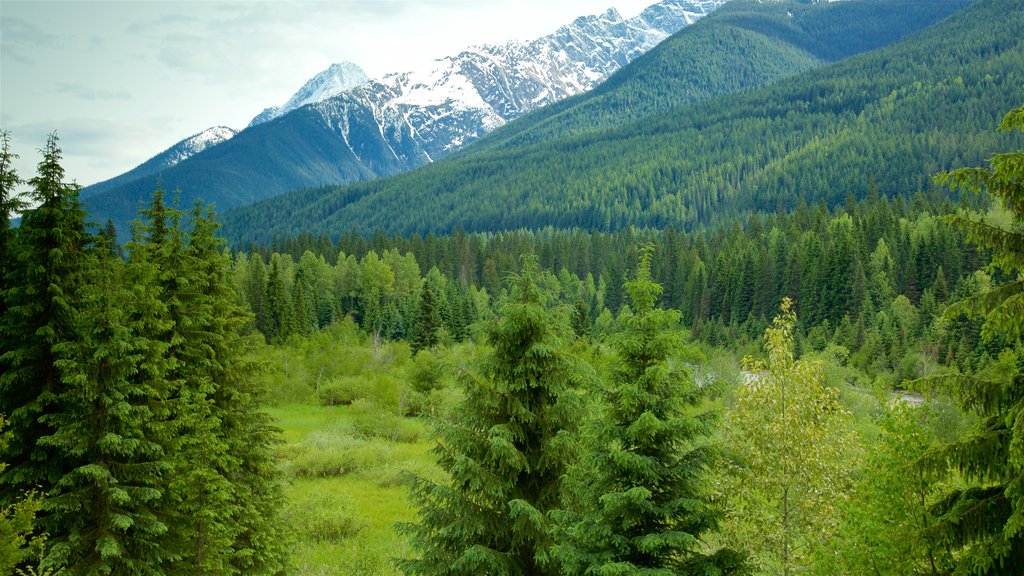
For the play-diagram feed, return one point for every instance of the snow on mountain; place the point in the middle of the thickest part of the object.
(331, 82)
(426, 114)
(195, 144)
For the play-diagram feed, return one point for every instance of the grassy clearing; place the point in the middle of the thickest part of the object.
(346, 486)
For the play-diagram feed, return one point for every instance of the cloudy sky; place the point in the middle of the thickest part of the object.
(120, 81)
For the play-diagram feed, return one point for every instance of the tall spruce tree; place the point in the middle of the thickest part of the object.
(197, 493)
(259, 542)
(43, 296)
(985, 521)
(106, 513)
(428, 321)
(506, 453)
(641, 485)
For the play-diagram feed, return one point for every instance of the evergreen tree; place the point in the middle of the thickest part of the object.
(641, 487)
(43, 299)
(197, 493)
(985, 520)
(258, 546)
(506, 454)
(106, 512)
(428, 321)
(10, 204)
(580, 319)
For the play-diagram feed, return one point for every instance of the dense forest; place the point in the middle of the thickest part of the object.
(887, 118)
(585, 418)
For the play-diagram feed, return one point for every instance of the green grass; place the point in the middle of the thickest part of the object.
(345, 489)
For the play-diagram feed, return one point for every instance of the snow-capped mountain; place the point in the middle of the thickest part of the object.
(397, 122)
(331, 82)
(169, 158)
(426, 114)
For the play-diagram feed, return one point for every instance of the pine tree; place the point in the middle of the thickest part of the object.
(107, 511)
(985, 521)
(428, 321)
(641, 487)
(248, 435)
(507, 451)
(43, 299)
(196, 502)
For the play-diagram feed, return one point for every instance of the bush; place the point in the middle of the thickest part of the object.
(344, 390)
(335, 453)
(323, 517)
(371, 420)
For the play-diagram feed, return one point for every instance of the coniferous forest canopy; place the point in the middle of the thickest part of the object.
(811, 379)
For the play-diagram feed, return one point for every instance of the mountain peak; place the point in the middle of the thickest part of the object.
(336, 79)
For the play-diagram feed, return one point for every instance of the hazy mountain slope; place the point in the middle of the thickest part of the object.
(888, 118)
(402, 121)
(168, 158)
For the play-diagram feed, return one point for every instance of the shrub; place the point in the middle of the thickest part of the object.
(324, 517)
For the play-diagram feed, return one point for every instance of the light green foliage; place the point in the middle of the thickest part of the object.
(506, 449)
(641, 503)
(16, 540)
(322, 517)
(790, 457)
(887, 523)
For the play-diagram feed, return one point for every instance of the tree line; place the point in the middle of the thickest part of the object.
(870, 276)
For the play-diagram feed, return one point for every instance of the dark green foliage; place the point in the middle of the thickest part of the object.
(986, 519)
(888, 116)
(105, 514)
(258, 545)
(640, 490)
(506, 452)
(43, 297)
(428, 321)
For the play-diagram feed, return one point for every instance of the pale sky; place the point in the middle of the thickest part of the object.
(120, 81)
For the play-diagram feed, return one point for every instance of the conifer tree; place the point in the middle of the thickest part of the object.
(259, 543)
(428, 321)
(197, 493)
(641, 487)
(985, 521)
(507, 451)
(106, 513)
(10, 204)
(43, 299)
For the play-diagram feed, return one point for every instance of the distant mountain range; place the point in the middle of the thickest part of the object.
(683, 136)
(342, 127)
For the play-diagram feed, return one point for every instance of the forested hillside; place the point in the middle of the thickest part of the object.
(887, 118)
(740, 46)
